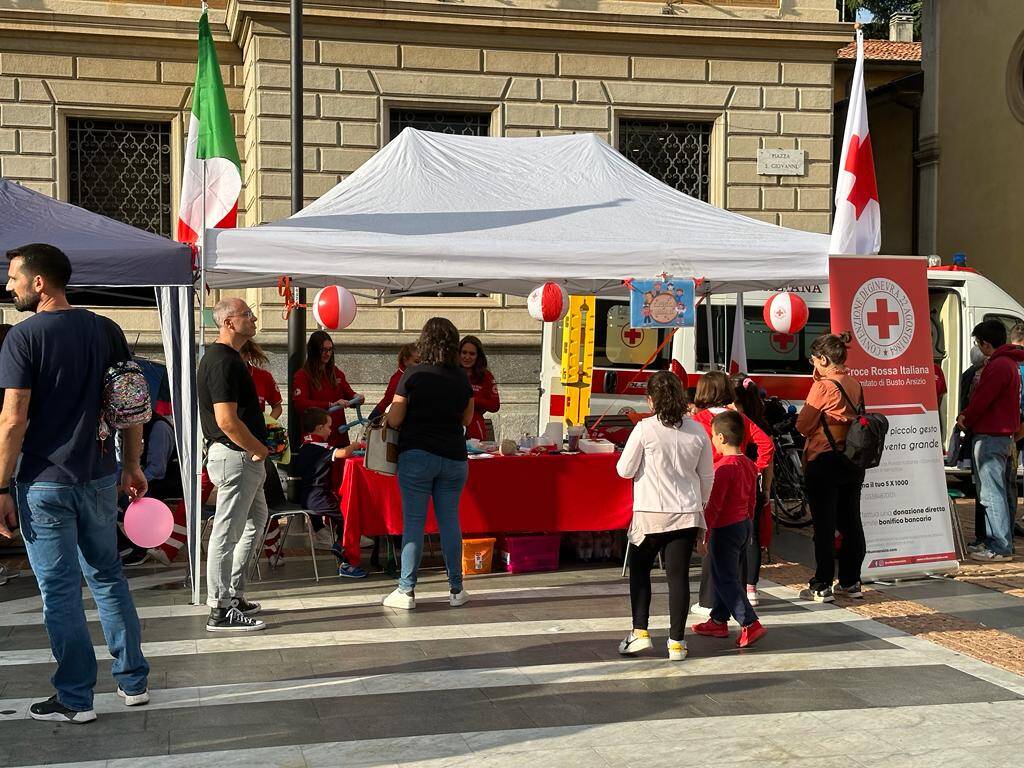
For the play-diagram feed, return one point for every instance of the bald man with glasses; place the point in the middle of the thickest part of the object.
(235, 432)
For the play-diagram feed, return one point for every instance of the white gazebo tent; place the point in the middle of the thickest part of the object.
(433, 211)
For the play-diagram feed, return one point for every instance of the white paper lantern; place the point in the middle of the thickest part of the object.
(548, 303)
(334, 308)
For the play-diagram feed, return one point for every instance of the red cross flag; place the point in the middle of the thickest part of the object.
(738, 350)
(857, 228)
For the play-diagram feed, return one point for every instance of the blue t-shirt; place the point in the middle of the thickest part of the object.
(62, 357)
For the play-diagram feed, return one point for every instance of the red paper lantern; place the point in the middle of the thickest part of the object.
(334, 308)
(548, 303)
(785, 313)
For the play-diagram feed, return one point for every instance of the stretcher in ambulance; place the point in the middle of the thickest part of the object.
(959, 299)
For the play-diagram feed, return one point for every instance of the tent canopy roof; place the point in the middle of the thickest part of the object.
(435, 211)
(103, 252)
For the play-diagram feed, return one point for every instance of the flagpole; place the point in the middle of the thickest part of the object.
(297, 317)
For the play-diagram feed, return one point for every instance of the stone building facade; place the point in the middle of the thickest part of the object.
(691, 90)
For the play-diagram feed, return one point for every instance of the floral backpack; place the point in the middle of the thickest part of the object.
(125, 399)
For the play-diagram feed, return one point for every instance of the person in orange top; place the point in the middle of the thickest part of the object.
(485, 392)
(407, 356)
(321, 384)
(833, 482)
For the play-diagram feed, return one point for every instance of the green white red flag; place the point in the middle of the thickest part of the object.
(211, 180)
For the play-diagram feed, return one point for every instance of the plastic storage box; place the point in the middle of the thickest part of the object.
(529, 553)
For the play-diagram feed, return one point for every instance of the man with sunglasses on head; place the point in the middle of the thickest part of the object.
(235, 431)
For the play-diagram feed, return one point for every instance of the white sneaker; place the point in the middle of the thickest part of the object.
(457, 599)
(134, 700)
(752, 596)
(160, 556)
(988, 556)
(276, 560)
(365, 542)
(677, 650)
(637, 640)
(323, 539)
(700, 610)
(405, 601)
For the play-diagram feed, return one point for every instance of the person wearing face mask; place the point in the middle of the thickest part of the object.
(833, 482)
(321, 384)
(485, 392)
(993, 417)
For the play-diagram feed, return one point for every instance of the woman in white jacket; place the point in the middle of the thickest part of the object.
(668, 457)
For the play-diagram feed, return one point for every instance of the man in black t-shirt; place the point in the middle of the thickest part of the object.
(233, 426)
(52, 366)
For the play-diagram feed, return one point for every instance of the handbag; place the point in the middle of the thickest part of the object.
(381, 447)
(865, 441)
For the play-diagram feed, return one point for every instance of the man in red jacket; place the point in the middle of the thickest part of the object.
(993, 416)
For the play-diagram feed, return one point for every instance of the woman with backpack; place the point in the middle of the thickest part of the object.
(833, 482)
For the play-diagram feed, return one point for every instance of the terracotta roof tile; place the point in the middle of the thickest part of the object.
(883, 50)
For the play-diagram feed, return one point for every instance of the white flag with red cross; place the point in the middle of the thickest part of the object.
(857, 227)
(738, 348)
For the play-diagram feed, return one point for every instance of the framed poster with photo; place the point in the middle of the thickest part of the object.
(661, 302)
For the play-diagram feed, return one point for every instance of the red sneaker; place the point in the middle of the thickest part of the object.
(750, 634)
(711, 628)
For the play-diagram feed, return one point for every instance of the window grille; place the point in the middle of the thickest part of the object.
(676, 153)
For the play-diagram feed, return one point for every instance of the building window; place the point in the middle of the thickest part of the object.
(121, 169)
(439, 121)
(676, 153)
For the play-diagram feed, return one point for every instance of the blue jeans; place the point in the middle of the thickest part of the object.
(423, 476)
(70, 530)
(725, 548)
(991, 454)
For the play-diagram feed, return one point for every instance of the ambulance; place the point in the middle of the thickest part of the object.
(960, 298)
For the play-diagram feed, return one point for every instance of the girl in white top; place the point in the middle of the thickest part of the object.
(668, 457)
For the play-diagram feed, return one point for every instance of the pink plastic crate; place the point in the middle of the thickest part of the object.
(528, 553)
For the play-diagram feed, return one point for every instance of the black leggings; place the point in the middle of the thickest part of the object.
(676, 547)
(833, 493)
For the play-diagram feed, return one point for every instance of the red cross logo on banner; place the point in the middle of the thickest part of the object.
(782, 342)
(882, 319)
(632, 337)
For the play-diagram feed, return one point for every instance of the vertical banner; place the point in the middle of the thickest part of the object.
(883, 303)
(578, 358)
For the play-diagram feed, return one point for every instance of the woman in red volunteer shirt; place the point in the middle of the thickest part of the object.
(407, 356)
(715, 394)
(485, 391)
(266, 388)
(321, 384)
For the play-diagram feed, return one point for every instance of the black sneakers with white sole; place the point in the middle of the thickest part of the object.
(232, 620)
(52, 710)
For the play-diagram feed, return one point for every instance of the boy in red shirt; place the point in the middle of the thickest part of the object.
(728, 515)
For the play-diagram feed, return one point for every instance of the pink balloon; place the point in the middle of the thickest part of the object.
(148, 522)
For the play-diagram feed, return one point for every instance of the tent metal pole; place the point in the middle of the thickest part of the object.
(197, 507)
(297, 317)
(711, 334)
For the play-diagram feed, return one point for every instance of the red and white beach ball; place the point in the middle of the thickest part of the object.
(548, 303)
(334, 308)
(785, 313)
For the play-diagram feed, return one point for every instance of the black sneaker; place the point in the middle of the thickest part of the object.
(232, 620)
(53, 710)
(245, 606)
(135, 558)
(854, 592)
(818, 594)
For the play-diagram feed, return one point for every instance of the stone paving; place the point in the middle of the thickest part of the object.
(527, 671)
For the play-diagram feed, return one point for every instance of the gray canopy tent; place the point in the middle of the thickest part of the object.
(106, 255)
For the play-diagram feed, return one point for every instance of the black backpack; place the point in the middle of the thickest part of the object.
(865, 442)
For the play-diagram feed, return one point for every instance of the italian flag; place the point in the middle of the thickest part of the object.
(212, 176)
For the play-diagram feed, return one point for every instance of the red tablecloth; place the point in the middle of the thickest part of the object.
(504, 494)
